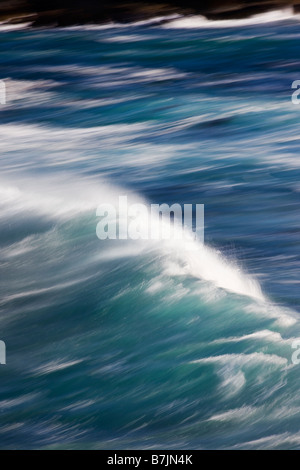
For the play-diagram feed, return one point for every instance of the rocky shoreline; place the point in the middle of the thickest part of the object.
(76, 12)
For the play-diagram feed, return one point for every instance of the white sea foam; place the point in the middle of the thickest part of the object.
(99, 27)
(284, 316)
(55, 366)
(284, 440)
(231, 369)
(21, 248)
(243, 359)
(261, 412)
(202, 22)
(24, 93)
(239, 414)
(268, 335)
(28, 293)
(125, 38)
(21, 400)
(203, 262)
(6, 27)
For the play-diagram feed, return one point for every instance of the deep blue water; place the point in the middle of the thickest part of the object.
(123, 344)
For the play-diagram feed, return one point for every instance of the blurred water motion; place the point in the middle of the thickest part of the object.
(129, 345)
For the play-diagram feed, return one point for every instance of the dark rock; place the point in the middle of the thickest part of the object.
(72, 12)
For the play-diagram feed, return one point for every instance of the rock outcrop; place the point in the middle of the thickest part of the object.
(72, 12)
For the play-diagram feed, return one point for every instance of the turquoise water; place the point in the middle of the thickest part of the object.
(131, 344)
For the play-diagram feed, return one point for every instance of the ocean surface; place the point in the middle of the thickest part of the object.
(123, 344)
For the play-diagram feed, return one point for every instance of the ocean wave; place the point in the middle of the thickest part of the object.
(54, 200)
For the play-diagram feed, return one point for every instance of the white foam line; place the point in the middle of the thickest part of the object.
(99, 27)
(6, 27)
(264, 334)
(243, 413)
(196, 22)
(55, 366)
(242, 359)
(271, 442)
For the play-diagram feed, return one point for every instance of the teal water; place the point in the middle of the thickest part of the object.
(129, 344)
